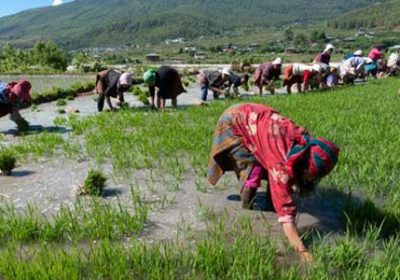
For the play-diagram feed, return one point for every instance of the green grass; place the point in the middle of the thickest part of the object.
(362, 120)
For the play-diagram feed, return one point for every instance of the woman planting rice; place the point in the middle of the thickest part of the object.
(12, 96)
(168, 82)
(110, 83)
(258, 143)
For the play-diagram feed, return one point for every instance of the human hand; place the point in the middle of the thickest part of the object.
(306, 257)
(112, 109)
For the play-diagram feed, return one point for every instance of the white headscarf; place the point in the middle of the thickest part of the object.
(226, 71)
(125, 79)
(277, 61)
(328, 47)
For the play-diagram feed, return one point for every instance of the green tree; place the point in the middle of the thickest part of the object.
(289, 35)
(12, 59)
(318, 36)
(48, 54)
(300, 39)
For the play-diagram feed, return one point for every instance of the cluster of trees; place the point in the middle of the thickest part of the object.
(316, 36)
(44, 56)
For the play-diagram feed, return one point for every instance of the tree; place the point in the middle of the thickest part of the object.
(48, 54)
(318, 36)
(300, 39)
(12, 59)
(289, 35)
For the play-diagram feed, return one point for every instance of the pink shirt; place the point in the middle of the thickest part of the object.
(375, 54)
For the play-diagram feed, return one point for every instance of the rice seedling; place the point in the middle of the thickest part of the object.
(61, 102)
(7, 162)
(61, 111)
(94, 183)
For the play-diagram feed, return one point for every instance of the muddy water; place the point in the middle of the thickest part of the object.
(185, 212)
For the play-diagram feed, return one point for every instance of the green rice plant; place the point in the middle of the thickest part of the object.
(34, 108)
(7, 161)
(137, 91)
(61, 102)
(144, 97)
(61, 111)
(94, 183)
(142, 94)
(186, 83)
(86, 220)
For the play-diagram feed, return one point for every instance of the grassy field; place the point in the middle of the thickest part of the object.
(100, 241)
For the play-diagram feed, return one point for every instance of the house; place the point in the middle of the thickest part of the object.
(153, 57)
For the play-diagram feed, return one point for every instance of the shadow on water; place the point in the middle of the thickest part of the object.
(336, 212)
(21, 173)
(37, 129)
(111, 192)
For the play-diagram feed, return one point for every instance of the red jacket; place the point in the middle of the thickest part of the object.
(269, 137)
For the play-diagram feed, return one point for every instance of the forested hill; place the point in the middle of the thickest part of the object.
(85, 23)
(385, 14)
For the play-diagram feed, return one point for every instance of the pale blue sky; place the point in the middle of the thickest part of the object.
(8, 7)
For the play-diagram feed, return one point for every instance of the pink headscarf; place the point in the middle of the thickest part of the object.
(21, 89)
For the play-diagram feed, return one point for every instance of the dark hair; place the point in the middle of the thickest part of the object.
(305, 188)
(245, 77)
(380, 46)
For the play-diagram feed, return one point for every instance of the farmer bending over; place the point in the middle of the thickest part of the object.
(13, 95)
(266, 73)
(214, 80)
(110, 83)
(258, 143)
(302, 74)
(168, 83)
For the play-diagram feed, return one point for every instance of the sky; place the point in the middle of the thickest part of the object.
(8, 7)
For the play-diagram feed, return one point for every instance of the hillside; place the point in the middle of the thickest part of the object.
(84, 23)
(385, 15)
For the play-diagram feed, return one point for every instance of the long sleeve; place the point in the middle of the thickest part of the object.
(281, 194)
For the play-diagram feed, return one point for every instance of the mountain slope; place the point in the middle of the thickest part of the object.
(114, 22)
(379, 15)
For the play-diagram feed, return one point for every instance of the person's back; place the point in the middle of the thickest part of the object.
(300, 68)
(213, 77)
(393, 60)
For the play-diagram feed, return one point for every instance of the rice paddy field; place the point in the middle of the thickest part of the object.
(159, 160)
(41, 83)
